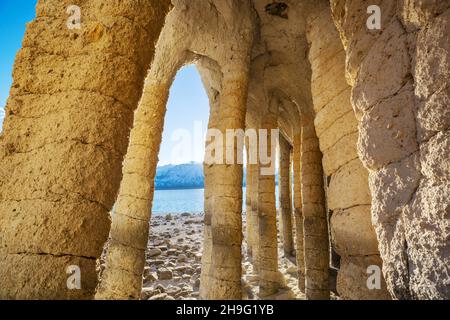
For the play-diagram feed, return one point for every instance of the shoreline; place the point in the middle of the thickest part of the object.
(173, 262)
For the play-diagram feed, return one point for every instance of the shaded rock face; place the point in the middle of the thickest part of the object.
(348, 195)
(363, 113)
(400, 88)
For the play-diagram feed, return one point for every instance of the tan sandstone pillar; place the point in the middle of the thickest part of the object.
(248, 207)
(298, 214)
(122, 278)
(64, 138)
(224, 275)
(251, 195)
(315, 223)
(285, 196)
(254, 217)
(268, 244)
(400, 80)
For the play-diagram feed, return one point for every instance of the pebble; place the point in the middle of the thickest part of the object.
(172, 252)
(180, 269)
(173, 265)
(164, 274)
(161, 296)
(197, 284)
(292, 270)
(155, 262)
(151, 277)
(173, 291)
(154, 252)
(160, 288)
(147, 293)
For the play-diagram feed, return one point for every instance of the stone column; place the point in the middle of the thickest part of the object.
(251, 194)
(122, 278)
(268, 242)
(298, 214)
(400, 79)
(208, 173)
(224, 276)
(64, 138)
(284, 187)
(248, 207)
(315, 224)
(255, 219)
(353, 238)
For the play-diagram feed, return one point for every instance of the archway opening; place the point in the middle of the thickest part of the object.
(173, 264)
(179, 178)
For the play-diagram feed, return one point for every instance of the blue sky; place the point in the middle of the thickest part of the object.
(13, 17)
(188, 105)
(187, 109)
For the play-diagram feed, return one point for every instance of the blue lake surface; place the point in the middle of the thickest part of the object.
(179, 201)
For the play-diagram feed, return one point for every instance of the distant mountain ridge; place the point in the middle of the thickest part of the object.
(183, 176)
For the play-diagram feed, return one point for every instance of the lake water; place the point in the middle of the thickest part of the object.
(179, 201)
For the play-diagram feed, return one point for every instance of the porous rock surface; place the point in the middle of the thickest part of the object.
(363, 113)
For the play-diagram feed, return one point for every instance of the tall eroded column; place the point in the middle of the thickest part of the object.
(248, 206)
(251, 194)
(400, 79)
(208, 173)
(224, 275)
(122, 278)
(255, 218)
(298, 213)
(315, 224)
(64, 138)
(285, 196)
(268, 244)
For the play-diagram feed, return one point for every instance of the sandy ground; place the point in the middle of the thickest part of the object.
(173, 264)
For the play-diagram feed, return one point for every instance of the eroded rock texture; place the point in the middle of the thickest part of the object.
(348, 195)
(363, 116)
(69, 114)
(400, 87)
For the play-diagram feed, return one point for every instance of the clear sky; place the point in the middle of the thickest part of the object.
(188, 106)
(13, 17)
(186, 119)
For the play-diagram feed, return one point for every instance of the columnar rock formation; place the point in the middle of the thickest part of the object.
(298, 213)
(208, 203)
(315, 225)
(399, 80)
(348, 195)
(268, 247)
(129, 230)
(68, 118)
(285, 186)
(363, 116)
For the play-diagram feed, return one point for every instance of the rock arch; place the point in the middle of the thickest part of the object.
(364, 111)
